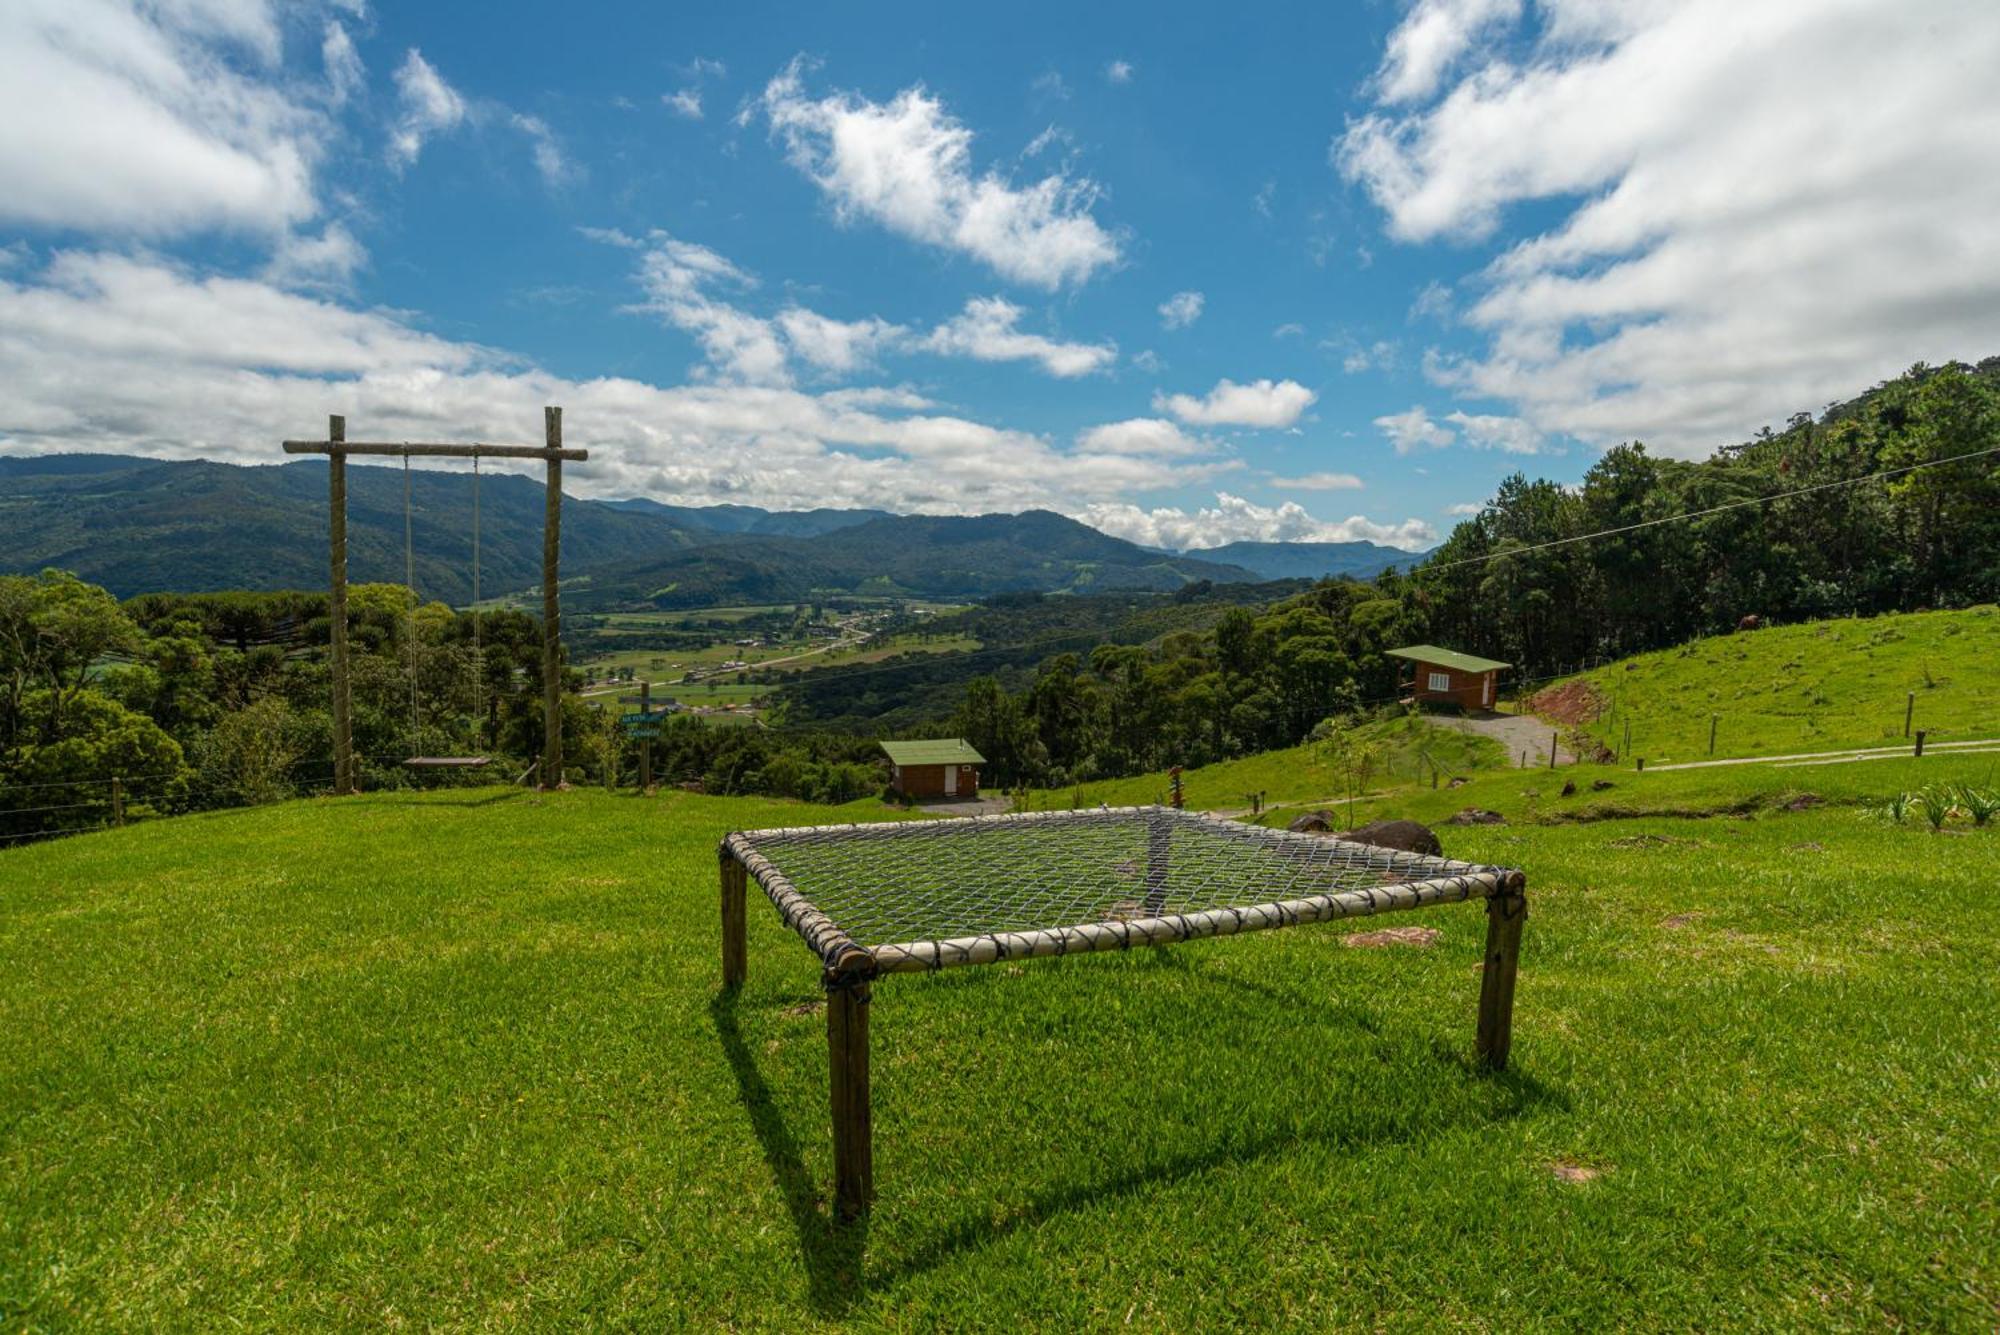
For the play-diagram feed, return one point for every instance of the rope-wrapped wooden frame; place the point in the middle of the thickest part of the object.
(918, 896)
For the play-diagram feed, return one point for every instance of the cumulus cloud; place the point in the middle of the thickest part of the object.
(1319, 482)
(985, 331)
(907, 165)
(427, 106)
(344, 73)
(840, 346)
(1431, 39)
(1465, 509)
(1234, 519)
(1142, 435)
(1261, 403)
(1181, 309)
(330, 259)
(681, 279)
(155, 121)
(113, 353)
(1414, 430)
(1489, 431)
(1737, 235)
(686, 103)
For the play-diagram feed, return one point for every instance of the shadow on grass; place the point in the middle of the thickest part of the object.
(835, 1253)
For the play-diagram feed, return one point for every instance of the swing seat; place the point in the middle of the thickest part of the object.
(447, 762)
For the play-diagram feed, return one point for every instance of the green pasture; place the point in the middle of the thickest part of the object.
(1810, 687)
(459, 1061)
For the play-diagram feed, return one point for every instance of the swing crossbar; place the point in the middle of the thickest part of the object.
(447, 762)
(418, 450)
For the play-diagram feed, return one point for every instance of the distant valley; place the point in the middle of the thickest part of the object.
(140, 525)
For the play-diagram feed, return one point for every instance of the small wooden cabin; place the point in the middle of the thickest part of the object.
(934, 768)
(1445, 676)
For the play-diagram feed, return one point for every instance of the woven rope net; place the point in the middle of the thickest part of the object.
(930, 894)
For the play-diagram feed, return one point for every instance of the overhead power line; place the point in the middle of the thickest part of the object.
(1715, 509)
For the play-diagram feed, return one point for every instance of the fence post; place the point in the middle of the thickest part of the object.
(117, 801)
(1627, 750)
(1920, 741)
(1713, 719)
(1642, 764)
(1554, 737)
(1909, 712)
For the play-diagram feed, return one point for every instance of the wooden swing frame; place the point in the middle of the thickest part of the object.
(338, 448)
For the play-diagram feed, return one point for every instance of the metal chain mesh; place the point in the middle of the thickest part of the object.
(932, 880)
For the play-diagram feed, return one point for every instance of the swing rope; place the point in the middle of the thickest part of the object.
(410, 584)
(478, 648)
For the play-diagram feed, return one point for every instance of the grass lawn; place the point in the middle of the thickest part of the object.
(458, 1060)
(1811, 687)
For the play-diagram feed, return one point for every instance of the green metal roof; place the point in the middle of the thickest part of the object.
(1450, 658)
(939, 751)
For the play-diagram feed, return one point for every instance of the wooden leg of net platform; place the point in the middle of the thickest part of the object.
(1505, 912)
(735, 962)
(853, 1128)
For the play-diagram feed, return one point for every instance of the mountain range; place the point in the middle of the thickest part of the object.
(140, 525)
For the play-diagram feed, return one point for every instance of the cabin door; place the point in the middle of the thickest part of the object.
(950, 780)
(1489, 690)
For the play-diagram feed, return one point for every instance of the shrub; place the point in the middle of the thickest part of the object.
(1981, 804)
(1938, 804)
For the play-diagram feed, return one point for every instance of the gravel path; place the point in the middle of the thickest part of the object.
(1518, 733)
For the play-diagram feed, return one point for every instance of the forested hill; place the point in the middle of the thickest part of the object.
(147, 525)
(921, 555)
(1308, 560)
(752, 518)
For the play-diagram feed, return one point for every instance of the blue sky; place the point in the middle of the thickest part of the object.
(1316, 271)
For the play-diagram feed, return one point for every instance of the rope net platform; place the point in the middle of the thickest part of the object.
(922, 895)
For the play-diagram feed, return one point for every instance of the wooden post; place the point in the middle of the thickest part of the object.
(853, 1118)
(1554, 738)
(735, 957)
(117, 801)
(1920, 741)
(1628, 735)
(1713, 719)
(645, 738)
(336, 611)
(1909, 711)
(1642, 764)
(1505, 912)
(552, 754)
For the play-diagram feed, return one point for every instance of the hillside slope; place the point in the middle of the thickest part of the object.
(1797, 688)
(1309, 560)
(461, 1061)
(945, 556)
(147, 525)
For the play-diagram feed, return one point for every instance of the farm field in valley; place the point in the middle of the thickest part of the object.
(313, 1064)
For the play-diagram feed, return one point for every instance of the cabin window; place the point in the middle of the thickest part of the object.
(1440, 681)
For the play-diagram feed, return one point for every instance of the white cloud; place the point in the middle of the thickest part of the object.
(1740, 236)
(1497, 432)
(1380, 355)
(1142, 435)
(1291, 329)
(907, 164)
(839, 346)
(1234, 519)
(328, 260)
(106, 352)
(1319, 482)
(1433, 302)
(344, 74)
(1181, 309)
(1148, 361)
(679, 279)
(1261, 403)
(156, 121)
(985, 331)
(429, 106)
(1414, 430)
(686, 103)
(556, 170)
(1431, 39)
(1466, 509)
(1118, 72)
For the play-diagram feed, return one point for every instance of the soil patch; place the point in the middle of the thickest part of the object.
(1574, 702)
(1569, 1170)
(1421, 937)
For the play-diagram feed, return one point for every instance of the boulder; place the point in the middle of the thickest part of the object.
(1475, 816)
(1313, 822)
(1404, 835)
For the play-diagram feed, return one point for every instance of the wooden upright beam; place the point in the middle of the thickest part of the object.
(735, 955)
(552, 756)
(336, 612)
(853, 1118)
(1506, 911)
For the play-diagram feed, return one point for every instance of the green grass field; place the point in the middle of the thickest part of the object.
(1811, 687)
(458, 1060)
